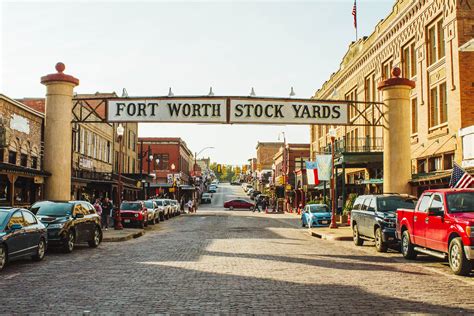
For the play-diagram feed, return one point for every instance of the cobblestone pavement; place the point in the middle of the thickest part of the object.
(230, 262)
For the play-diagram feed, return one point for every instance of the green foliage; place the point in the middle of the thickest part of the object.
(349, 203)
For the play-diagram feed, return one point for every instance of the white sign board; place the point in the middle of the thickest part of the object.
(287, 112)
(171, 110)
(230, 110)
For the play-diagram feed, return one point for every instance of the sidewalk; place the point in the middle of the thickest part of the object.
(343, 233)
(112, 235)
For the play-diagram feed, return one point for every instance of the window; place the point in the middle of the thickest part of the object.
(436, 45)
(109, 150)
(414, 116)
(387, 69)
(366, 204)
(409, 60)
(12, 157)
(82, 140)
(369, 88)
(2, 152)
(17, 218)
(34, 162)
(29, 218)
(438, 105)
(434, 163)
(421, 166)
(358, 202)
(448, 161)
(163, 163)
(352, 96)
(425, 201)
(23, 160)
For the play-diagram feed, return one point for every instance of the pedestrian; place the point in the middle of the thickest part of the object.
(107, 209)
(98, 207)
(264, 205)
(339, 205)
(190, 206)
(258, 204)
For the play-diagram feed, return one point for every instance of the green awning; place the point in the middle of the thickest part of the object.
(372, 181)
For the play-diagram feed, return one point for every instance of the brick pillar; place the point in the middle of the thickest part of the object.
(396, 138)
(58, 133)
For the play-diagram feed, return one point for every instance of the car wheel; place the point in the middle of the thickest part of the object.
(69, 242)
(457, 259)
(3, 256)
(40, 251)
(408, 250)
(162, 217)
(231, 208)
(157, 219)
(380, 246)
(152, 222)
(356, 237)
(94, 243)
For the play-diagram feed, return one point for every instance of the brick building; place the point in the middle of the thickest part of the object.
(171, 165)
(422, 39)
(21, 153)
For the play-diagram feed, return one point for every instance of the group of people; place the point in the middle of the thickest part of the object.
(261, 205)
(105, 209)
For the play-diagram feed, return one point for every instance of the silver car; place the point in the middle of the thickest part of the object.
(153, 212)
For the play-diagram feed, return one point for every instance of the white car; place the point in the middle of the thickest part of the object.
(153, 212)
(163, 209)
(176, 209)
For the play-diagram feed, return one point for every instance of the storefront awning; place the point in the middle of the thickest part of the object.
(22, 171)
(372, 181)
(430, 178)
(359, 160)
(161, 185)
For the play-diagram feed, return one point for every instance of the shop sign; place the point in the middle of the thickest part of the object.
(171, 190)
(85, 163)
(230, 110)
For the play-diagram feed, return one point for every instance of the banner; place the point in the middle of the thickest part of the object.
(324, 165)
(312, 172)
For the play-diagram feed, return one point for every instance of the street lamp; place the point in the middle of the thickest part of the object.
(118, 218)
(195, 157)
(332, 134)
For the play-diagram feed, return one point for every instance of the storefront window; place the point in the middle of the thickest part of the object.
(12, 157)
(34, 162)
(23, 160)
(4, 189)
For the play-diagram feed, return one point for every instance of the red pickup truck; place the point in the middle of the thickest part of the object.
(441, 225)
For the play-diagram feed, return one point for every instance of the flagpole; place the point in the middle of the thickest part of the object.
(355, 17)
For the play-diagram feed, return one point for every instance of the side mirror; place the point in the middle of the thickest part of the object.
(16, 227)
(79, 215)
(435, 211)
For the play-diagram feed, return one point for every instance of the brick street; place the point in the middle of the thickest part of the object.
(219, 261)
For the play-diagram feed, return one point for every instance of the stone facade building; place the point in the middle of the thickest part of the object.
(421, 38)
(21, 153)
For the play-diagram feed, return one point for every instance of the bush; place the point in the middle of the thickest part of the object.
(349, 204)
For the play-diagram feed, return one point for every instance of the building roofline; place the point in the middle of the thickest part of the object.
(22, 105)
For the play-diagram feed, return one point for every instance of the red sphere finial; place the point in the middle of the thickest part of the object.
(60, 67)
(396, 72)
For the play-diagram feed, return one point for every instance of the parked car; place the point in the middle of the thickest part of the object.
(134, 213)
(239, 204)
(162, 209)
(170, 208)
(247, 186)
(254, 194)
(441, 225)
(212, 189)
(175, 206)
(249, 192)
(21, 235)
(153, 212)
(235, 183)
(316, 215)
(373, 218)
(69, 223)
(206, 198)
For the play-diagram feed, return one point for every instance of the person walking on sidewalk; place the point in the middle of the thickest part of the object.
(264, 205)
(98, 207)
(107, 209)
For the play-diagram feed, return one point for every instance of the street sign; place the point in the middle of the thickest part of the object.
(230, 110)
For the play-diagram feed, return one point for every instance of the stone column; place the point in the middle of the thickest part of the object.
(396, 138)
(58, 133)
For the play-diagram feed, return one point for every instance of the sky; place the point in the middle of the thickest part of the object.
(147, 47)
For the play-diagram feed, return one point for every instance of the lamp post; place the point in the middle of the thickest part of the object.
(148, 159)
(173, 167)
(332, 134)
(118, 217)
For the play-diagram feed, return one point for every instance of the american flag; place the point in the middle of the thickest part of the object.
(354, 13)
(460, 178)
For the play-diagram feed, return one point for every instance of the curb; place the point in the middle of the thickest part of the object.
(124, 238)
(326, 236)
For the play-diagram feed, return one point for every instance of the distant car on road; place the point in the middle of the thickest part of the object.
(21, 235)
(69, 223)
(206, 198)
(239, 204)
(316, 215)
(134, 212)
(212, 189)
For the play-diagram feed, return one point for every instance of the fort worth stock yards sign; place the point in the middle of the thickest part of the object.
(228, 110)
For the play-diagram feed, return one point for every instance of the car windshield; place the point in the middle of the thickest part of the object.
(319, 209)
(159, 203)
(55, 209)
(127, 206)
(173, 202)
(148, 204)
(3, 217)
(460, 202)
(392, 203)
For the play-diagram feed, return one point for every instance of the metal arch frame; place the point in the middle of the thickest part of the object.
(94, 117)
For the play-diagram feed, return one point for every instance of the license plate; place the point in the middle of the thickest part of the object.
(324, 222)
(126, 221)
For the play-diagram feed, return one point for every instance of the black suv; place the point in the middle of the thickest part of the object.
(373, 218)
(69, 223)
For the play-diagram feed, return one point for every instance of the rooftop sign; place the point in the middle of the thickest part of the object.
(230, 110)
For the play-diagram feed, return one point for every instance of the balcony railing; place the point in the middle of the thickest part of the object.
(356, 145)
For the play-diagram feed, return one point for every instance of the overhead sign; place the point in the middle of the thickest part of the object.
(191, 110)
(230, 110)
